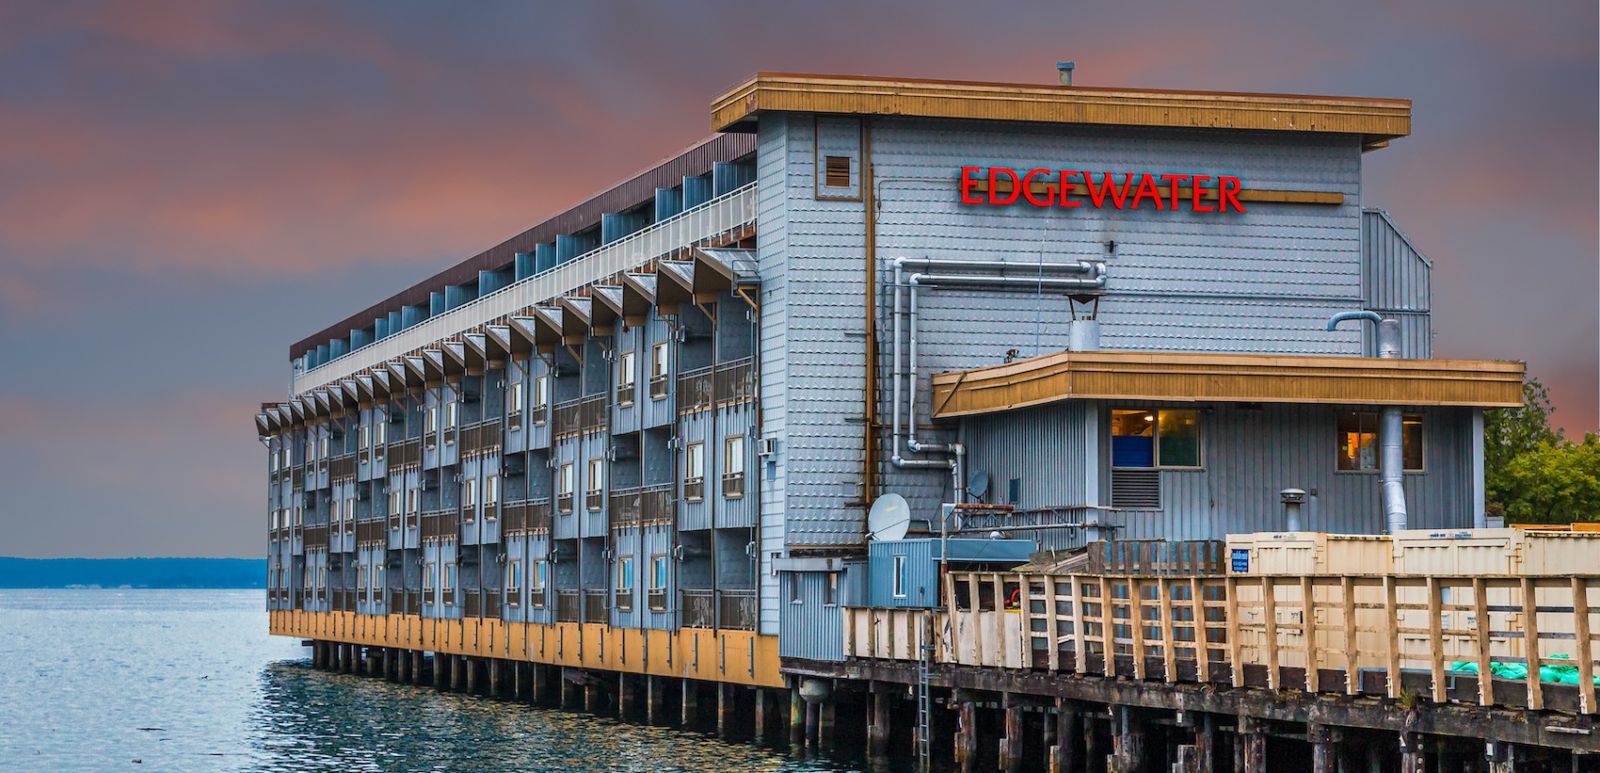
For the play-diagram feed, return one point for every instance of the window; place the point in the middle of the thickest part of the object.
(830, 591)
(469, 497)
(431, 426)
(658, 582)
(595, 485)
(361, 578)
(411, 501)
(428, 570)
(564, 485)
(513, 582)
(536, 582)
(625, 379)
(900, 577)
(1358, 441)
(322, 576)
(658, 371)
(694, 475)
(625, 573)
(297, 512)
(377, 577)
(491, 494)
(794, 588)
(381, 433)
(836, 171)
(272, 460)
(1146, 438)
(733, 467)
(450, 421)
(349, 509)
(449, 582)
(322, 447)
(541, 398)
(366, 435)
(514, 400)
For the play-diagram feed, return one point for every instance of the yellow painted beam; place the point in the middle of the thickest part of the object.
(736, 657)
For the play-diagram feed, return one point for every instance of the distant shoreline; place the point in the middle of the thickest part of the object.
(133, 573)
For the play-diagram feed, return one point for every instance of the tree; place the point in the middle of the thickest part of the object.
(1553, 483)
(1511, 432)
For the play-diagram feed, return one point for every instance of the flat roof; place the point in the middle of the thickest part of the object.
(1376, 120)
(636, 190)
(1215, 377)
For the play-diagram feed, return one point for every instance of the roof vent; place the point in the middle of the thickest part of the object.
(1064, 69)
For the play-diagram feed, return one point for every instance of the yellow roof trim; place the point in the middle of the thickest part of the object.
(1207, 377)
(1376, 120)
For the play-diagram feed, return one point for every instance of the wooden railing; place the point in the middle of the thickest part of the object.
(1398, 636)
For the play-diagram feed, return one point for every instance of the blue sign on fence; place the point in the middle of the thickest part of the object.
(1239, 560)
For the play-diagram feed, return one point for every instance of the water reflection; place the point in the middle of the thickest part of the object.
(310, 720)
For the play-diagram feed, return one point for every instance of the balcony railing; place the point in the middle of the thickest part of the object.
(569, 606)
(594, 606)
(698, 608)
(539, 514)
(694, 389)
(655, 503)
(726, 213)
(624, 509)
(657, 599)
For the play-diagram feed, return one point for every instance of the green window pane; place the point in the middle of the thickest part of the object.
(1178, 438)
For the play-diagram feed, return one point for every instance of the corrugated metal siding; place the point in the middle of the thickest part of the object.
(811, 629)
(1396, 281)
(1252, 455)
(1043, 447)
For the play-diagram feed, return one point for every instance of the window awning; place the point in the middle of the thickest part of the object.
(1211, 377)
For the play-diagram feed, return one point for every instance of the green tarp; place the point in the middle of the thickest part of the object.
(1559, 674)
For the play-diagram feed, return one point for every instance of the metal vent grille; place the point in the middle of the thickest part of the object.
(1136, 489)
(837, 172)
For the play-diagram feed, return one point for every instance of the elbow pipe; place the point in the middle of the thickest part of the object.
(1391, 444)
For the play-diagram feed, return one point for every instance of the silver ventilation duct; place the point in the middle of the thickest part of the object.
(1391, 459)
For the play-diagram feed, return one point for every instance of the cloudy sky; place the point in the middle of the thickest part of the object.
(187, 188)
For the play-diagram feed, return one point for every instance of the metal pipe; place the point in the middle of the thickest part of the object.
(1075, 267)
(1391, 444)
(1026, 282)
(898, 376)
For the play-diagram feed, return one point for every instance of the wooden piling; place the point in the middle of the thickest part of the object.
(827, 723)
(691, 703)
(1413, 759)
(1127, 741)
(655, 697)
(966, 741)
(1066, 755)
(1251, 746)
(1324, 757)
(878, 730)
(1011, 744)
(797, 717)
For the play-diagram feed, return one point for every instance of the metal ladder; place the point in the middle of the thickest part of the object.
(924, 694)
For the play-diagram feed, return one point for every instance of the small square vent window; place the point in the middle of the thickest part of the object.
(837, 172)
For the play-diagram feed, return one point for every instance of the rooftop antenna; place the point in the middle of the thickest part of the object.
(1064, 69)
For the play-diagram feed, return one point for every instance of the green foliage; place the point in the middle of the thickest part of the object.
(1532, 474)
(1554, 483)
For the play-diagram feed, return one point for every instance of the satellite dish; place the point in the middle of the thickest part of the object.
(978, 485)
(890, 518)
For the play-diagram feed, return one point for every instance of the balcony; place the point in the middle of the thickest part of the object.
(721, 384)
(624, 509)
(567, 417)
(594, 606)
(569, 606)
(539, 515)
(656, 598)
(730, 609)
(722, 215)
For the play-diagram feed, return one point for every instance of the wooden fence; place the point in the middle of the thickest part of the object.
(1404, 637)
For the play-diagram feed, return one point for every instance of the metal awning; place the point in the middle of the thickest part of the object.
(638, 298)
(1212, 377)
(574, 319)
(674, 284)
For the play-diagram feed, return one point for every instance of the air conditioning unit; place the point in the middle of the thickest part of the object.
(611, 453)
(767, 446)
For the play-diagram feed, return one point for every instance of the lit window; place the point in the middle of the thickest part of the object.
(514, 399)
(1147, 438)
(491, 490)
(900, 579)
(594, 490)
(1358, 441)
(694, 475)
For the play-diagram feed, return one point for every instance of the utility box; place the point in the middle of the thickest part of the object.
(1308, 552)
(1512, 551)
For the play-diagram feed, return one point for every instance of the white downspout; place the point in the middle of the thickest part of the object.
(1391, 459)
